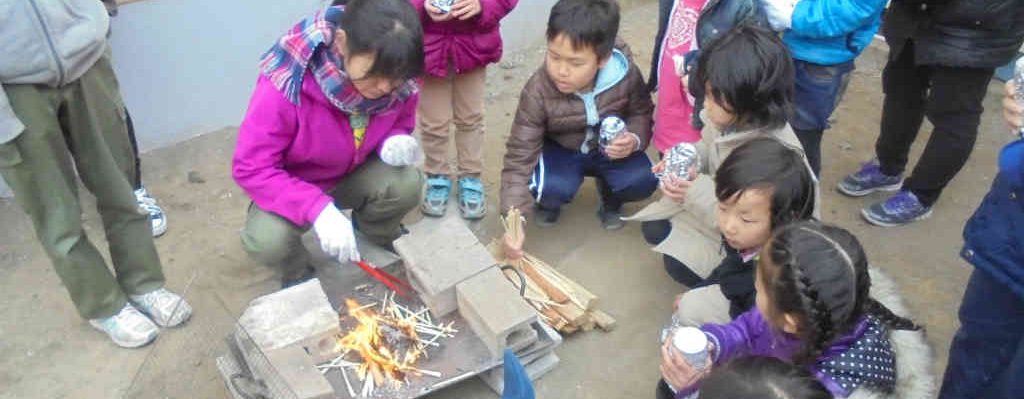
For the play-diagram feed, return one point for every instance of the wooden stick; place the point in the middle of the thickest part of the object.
(604, 321)
(348, 385)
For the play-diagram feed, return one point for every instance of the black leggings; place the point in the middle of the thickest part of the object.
(655, 232)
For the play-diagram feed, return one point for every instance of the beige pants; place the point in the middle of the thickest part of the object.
(458, 99)
(703, 305)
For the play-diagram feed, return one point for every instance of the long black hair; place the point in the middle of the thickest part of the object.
(391, 30)
(751, 74)
(767, 164)
(758, 377)
(819, 273)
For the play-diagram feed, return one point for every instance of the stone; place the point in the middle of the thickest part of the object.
(438, 254)
(493, 309)
(495, 378)
(299, 316)
(297, 370)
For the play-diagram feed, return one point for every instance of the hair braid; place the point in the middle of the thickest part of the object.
(887, 317)
(818, 329)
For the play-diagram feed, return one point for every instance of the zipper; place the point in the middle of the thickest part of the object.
(49, 43)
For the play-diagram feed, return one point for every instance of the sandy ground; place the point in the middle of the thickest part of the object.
(47, 351)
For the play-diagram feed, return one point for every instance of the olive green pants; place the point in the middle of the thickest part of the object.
(81, 127)
(378, 194)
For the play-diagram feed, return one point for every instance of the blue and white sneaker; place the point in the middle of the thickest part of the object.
(898, 210)
(129, 328)
(868, 180)
(156, 214)
(472, 201)
(435, 202)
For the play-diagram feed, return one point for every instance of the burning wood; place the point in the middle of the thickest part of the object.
(389, 341)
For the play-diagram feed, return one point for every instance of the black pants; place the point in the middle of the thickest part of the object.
(655, 232)
(663, 391)
(951, 99)
(137, 179)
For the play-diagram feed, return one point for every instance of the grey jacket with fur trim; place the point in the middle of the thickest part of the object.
(51, 42)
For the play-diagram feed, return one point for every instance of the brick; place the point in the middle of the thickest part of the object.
(521, 339)
(438, 254)
(495, 378)
(298, 371)
(300, 316)
(493, 309)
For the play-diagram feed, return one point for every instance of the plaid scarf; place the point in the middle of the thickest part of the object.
(308, 46)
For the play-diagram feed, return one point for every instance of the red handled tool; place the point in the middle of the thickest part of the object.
(389, 280)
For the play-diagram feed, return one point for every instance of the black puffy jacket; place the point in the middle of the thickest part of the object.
(957, 33)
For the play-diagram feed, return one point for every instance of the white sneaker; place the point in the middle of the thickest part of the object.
(166, 308)
(128, 328)
(156, 213)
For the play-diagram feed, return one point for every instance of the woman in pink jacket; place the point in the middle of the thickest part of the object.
(328, 128)
(461, 37)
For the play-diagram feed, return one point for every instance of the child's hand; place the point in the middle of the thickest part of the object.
(674, 188)
(1011, 109)
(513, 249)
(676, 371)
(435, 13)
(466, 9)
(623, 146)
(658, 167)
(675, 305)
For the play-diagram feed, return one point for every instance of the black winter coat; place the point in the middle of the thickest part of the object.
(956, 33)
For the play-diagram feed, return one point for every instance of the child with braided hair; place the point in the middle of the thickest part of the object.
(813, 309)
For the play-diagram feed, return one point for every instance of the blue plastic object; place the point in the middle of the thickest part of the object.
(1011, 158)
(517, 382)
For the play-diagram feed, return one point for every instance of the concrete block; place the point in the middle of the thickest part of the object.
(521, 339)
(298, 371)
(438, 254)
(300, 316)
(493, 309)
(495, 378)
(375, 254)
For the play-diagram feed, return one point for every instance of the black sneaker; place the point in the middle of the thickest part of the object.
(544, 217)
(307, 275)
(610, 219)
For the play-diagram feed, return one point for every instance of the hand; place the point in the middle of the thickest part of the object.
(1011, 109)
(674, 188)
(676, 371)
(623, 146)
(401, 150)
(435, 13)
(466, 9)
(780, 13)
(513, 248)
(675, 305)
(336, 236)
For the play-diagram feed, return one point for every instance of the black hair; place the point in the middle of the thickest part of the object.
(587, 23)
(765, 163)
(819, 273)
(750, 72)
(389, 28)
(759, 377)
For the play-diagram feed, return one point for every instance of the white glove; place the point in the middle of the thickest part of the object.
(336, 236)
(780, 13)
(401, 150)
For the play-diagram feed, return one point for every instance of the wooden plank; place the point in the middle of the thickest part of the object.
(604, 320)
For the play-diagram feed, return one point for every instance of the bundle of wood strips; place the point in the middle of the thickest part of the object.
(561, 302)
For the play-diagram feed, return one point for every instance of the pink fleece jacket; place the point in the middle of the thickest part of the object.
(468, 44)
(288, 155)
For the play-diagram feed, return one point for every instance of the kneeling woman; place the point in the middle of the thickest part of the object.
(328, 128)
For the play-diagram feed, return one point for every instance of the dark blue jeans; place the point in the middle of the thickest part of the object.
(817, 91)
(560, 173)
(986, 359)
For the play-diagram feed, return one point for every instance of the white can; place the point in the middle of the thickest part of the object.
(692, 343)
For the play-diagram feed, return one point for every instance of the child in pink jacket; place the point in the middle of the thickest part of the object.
(460, 38)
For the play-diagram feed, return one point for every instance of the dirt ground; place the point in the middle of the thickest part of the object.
(47, 351)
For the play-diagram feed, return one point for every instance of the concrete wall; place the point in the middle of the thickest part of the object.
(187, 67)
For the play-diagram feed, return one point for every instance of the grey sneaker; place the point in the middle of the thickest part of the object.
(156, 214)
(166, 308)
(868, 180)
(128, 328)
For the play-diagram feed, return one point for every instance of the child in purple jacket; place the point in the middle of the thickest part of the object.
(459, 42)
(813, 309)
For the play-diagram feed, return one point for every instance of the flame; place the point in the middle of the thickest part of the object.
(369, 341)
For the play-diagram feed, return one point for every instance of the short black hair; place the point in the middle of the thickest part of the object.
(765, 163)
(750, 72)
(389, 28)
(760, 377)
(587, 23)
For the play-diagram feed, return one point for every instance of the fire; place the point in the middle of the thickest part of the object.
(388, 342)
